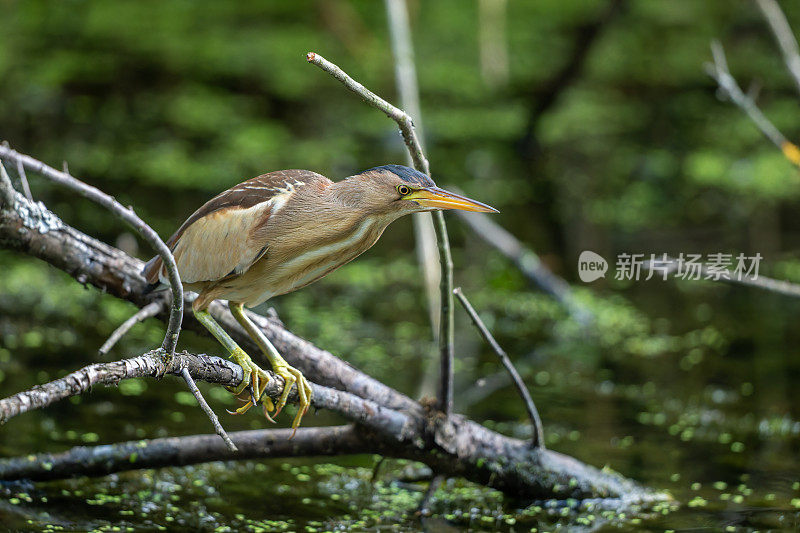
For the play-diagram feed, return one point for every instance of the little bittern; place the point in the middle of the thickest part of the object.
(279, 232)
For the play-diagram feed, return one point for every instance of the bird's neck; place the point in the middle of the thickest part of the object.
(351, 193)
(357, 196)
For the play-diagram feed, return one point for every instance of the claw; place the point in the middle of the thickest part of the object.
(293, 377)
(266, 412)
(241, 410)
(255, 383)
(253, 397)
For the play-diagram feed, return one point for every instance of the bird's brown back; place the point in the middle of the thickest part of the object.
(245, 195)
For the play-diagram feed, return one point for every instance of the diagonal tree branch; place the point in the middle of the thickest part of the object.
(533, 413)
(727, 84)
(126, 215)
(23, 180)
(148, 311)
(585, 37)
(446, 321)
(672, 265)
(130, 218)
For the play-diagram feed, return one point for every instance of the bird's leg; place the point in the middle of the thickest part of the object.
(253, 374)
(290, 374)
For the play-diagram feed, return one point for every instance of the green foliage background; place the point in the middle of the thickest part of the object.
(164, 104)
(178, 100)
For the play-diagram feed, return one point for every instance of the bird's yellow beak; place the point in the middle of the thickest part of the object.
(436, 198)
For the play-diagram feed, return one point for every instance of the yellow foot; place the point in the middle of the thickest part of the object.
(292, 376)
(256, 378)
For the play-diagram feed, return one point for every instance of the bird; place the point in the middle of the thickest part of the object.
(279, 232)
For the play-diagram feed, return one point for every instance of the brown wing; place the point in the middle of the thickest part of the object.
(221, 239)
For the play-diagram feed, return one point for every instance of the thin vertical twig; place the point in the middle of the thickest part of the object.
(447, 320)
(128, 216)
(406, 77)
(783, 35)
(409, 135)
(536, 422)
(207, 409)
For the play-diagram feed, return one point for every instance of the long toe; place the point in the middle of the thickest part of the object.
(241, 410)
(304, 393)
(289, 379)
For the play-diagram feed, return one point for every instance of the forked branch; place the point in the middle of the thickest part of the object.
(406, 125)
(128, 216)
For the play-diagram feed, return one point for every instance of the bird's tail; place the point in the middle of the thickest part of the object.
(151, 272)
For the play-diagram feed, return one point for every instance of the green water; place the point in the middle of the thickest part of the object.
(695, 395)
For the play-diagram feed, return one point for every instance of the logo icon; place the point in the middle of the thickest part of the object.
(591, 266)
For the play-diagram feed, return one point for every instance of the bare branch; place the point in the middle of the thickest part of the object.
(391, 423)
(533, 413)
(129, 217)
(398, 115)
(783, 35)
(148, 311)
(406, 81)
(126, 215)
(187, 377)
(23, 179)
(446, 322)
(150, 364)
(179, 451)
(727, 84)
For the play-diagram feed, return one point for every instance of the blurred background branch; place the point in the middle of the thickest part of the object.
(727, 84)
(408, 91)
(783, 36)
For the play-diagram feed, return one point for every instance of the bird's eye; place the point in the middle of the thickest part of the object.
(403, 190)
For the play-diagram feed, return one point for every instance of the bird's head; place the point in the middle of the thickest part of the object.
(402, 190)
